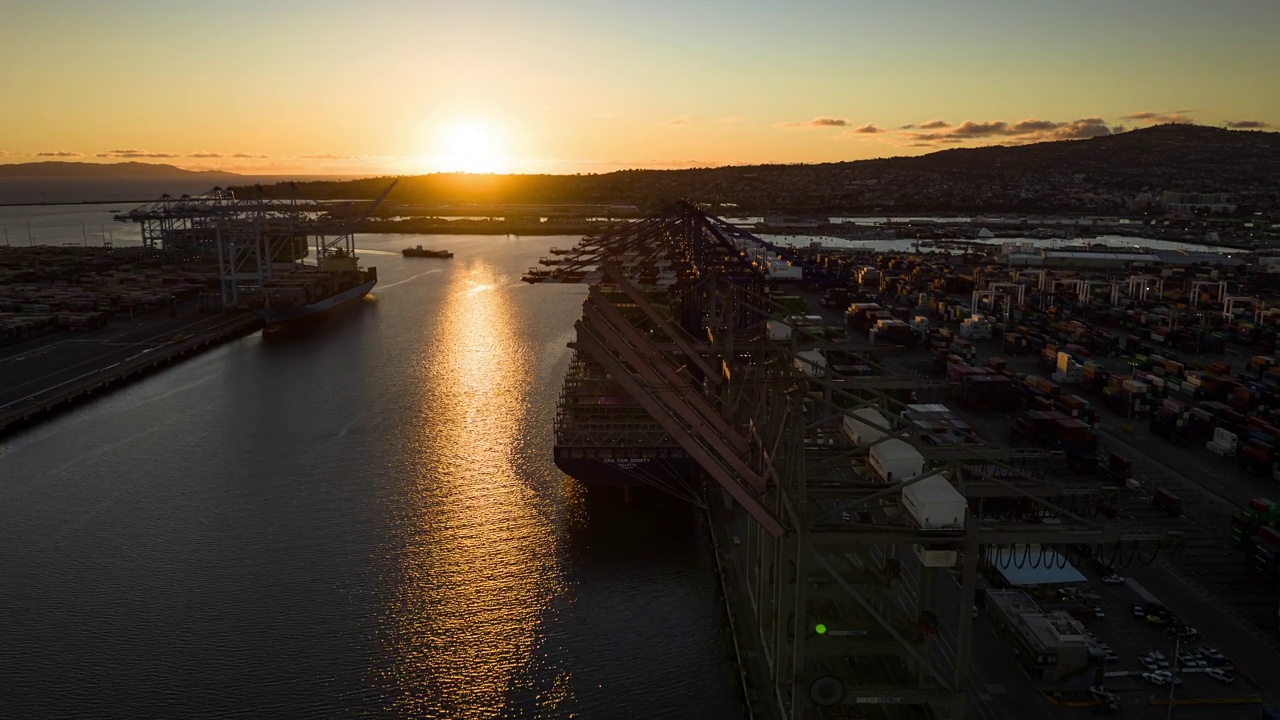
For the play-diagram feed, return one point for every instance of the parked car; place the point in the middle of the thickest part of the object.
(1138, 612)
(1154, 661)
(1155, 678)
(1112, 579)
(1219, 675)
(1212, 654)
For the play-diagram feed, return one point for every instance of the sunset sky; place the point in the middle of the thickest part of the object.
(563, 86)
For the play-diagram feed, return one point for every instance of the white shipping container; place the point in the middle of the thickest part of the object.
(784, 271)
(934, 503)
(811, 363)
(860, 432)
(936, 558)
(894, 461)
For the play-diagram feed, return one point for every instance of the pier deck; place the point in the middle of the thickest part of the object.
(51, 372)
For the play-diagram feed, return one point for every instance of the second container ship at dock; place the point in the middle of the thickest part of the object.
(604, 437)
(337, 282)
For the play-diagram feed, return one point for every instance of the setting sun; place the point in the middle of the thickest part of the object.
(469, 148)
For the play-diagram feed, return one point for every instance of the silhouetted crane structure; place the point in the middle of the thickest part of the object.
(253, 239)
(856, 609)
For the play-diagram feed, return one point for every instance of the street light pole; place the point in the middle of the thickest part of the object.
(1177, 647)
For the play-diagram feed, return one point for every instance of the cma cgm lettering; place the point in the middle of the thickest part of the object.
(659, 467)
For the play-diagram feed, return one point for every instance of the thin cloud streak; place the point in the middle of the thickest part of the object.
(868, 129)
(818, 122)
(1174, 116)
(58, 153)
(1248, 124)
(135, 154)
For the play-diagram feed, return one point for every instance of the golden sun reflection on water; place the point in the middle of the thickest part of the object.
(479, 571)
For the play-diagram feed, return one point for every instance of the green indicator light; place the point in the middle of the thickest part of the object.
(820, 629)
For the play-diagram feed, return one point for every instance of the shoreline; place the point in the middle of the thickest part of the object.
(63, 203)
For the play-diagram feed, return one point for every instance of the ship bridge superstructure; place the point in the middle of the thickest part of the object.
(852, 562)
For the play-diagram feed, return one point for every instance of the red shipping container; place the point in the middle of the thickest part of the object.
(1269, 535)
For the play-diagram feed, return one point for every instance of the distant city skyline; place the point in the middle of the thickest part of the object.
(564, 86)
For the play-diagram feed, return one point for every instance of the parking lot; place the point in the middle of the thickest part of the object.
(1129, 638)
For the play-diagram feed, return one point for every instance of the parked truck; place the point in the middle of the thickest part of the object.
(1167, 501)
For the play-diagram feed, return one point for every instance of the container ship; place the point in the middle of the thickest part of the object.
(337, 282)
(604, 437)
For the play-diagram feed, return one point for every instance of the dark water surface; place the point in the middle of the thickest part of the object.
(358, 521)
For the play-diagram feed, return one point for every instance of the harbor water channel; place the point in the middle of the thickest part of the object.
(362, 520)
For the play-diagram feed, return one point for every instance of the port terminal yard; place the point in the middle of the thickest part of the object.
(905, 608)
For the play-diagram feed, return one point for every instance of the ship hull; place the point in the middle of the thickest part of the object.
(610, 467)
(277, 317)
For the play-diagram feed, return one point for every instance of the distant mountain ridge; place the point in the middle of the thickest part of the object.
(1102, 174)
(87, 171)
